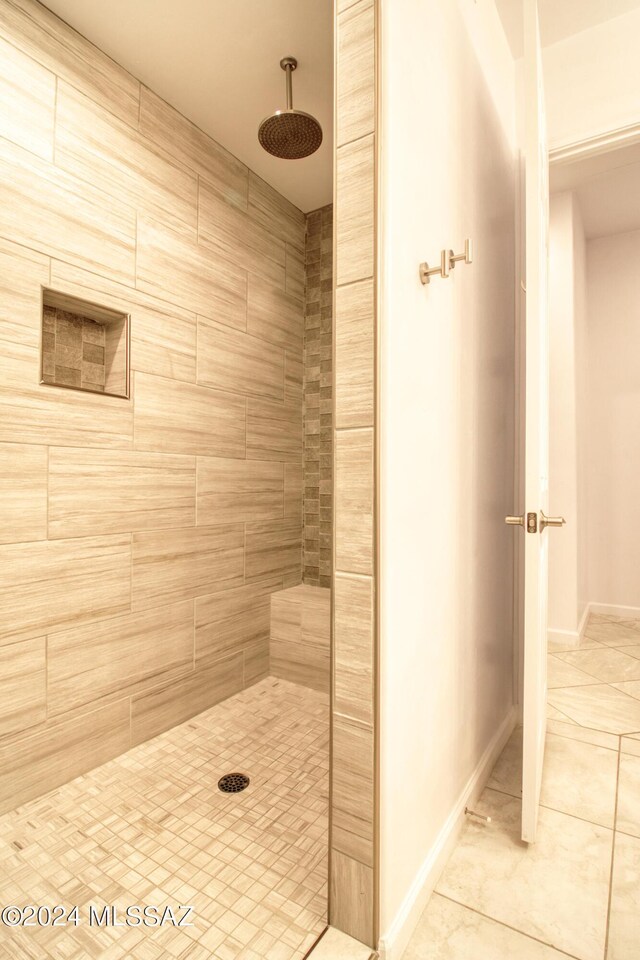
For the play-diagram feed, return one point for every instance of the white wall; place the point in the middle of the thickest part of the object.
(567, 575)
(446, 428)
(613, 510)
(592, 80)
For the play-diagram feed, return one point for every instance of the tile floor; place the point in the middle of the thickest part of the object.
(151, 828)
(576, 892)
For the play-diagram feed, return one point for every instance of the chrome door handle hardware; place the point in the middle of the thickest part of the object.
(426, 272)
(550, 521)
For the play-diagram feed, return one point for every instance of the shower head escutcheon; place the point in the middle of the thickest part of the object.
(290, 134)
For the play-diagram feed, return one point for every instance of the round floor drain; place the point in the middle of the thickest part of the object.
(233, 782)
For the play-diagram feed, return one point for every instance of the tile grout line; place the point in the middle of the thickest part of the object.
(508, 926)
(613, 852)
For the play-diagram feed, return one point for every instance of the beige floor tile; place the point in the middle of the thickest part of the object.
(630, 745)
(630, 687)
(561, 674)
(628, 814)
(624, 925)
(601, 707)
(151, 827)
(449, 931)
(336, 945)
(585, 643)
(554, 714)
(613, 633)
(607, 664)
(555, 890)
(578, 778)
(632, 651)
(568, 729)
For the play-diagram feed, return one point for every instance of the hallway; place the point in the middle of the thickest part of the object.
(576, 893)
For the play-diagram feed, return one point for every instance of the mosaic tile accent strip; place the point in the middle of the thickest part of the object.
(152, 828)
(318, 398)
(73, 350)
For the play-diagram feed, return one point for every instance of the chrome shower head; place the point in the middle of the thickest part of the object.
(290, 134)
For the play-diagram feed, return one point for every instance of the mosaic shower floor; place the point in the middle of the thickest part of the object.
(151, 828)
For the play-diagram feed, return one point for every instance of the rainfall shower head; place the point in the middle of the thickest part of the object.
(290, 134)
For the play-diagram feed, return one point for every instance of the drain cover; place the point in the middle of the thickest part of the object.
(233, 782)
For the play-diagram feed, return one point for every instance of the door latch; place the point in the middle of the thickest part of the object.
(532, 523)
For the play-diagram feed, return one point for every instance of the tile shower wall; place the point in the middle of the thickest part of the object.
(73, 350)
(140, 539)
(318, 398)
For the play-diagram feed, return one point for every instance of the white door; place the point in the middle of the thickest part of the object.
(535, 522)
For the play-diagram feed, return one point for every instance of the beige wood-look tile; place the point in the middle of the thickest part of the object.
(232, 235)
(294, 271)
(50, 585)
(277, 214)
(100, 492)
(27, 101)
(309, 666)
(162, 708)
(353, 789)
(180, 139)
(286, 616)
(38, 32)
(293, 483)
(274, 431)
(355, 77)
(354, 341)
(354, 501)
(22, 271)
(60, 752)
(256, 662)
(233, 491)
(354, 211)
(41, 414)
(44, 207)
(229, 621)
(613, 633)
(624, 923)
(163, 336)
(630, 745)
(237, 362)
(274, 315)
(96, 147)
(23, 492)
(600, 706)
(273, 549)
(172, 267)
(23, 685)
(353, 647)
(352, 907)
(630, 687)
(174, 417)
(169, 566)
(293, 376)
(117, 657)
(561, 674)
(563, 728)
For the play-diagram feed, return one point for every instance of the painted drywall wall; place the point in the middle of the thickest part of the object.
(592, 80)
(567, 591)
(447, 430)
(613, 511)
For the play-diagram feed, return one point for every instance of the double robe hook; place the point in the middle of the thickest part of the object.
(448, 260)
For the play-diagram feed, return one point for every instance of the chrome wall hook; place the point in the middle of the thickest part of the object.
(426, 272)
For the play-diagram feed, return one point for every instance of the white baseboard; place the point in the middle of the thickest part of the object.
(611, 610)
(394, 942)
(568, 637)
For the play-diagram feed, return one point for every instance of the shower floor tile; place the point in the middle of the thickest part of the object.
(151, 828)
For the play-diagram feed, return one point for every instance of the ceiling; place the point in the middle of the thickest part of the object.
(608, 190)
(218, 63)
(559, 18)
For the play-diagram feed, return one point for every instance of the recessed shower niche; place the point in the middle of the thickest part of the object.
(85, 346)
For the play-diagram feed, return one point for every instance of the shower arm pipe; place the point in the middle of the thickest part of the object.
(289, 71)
